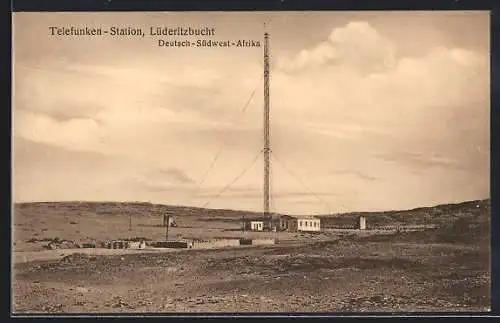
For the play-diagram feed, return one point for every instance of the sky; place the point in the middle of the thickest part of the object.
(369, 111)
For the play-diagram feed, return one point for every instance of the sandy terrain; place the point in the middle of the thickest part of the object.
(51, 255)
(446, 269)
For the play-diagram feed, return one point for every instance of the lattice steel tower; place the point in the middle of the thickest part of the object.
(267, 149)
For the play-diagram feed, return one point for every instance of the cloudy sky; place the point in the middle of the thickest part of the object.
(369, 111)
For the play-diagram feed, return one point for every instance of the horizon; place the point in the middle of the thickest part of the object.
(365, 116)
(249, 211)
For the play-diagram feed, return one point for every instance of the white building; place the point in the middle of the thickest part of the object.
(362, 223)
(256, 225)
(284, 223)
(301, 223)
(308, 224)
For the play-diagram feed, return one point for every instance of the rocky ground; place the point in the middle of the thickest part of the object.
(446, 269)
(348, 275)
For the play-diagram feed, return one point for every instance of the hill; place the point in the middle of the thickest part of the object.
(439, 215)
(122, 208)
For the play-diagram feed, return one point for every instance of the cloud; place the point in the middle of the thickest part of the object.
(53, 92)
(164, 179)
(354, 173)
(73, 133)
(47, 172)
(344, 111)
(254, 193)
(105, 102)
(409, 92)
(419, 161)
(176, 174)
(437, 102)
(357, 46)
(345, 131)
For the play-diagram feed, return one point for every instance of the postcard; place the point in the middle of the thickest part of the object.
(251, 162)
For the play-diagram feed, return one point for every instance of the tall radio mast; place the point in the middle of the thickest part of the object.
(267, 150)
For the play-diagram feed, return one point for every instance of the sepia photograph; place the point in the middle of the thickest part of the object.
(250, 162)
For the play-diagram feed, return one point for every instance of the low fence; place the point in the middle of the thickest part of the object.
(381, 227)
(341, 226)
(187, 244)
(405, 228)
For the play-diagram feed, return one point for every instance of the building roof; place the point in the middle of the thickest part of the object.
(307, 217)
(281, 216)
(258, 219)
(286, 216)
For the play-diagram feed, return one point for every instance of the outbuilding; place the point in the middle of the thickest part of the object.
(257, 225)
(300, 223)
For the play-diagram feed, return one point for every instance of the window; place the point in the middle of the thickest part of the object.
(315, 224)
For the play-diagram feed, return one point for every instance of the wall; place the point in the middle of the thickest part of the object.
(216, 243)
(257, 242)
(170, 244)
(136, 245)
(222, 243)
(117, 244)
